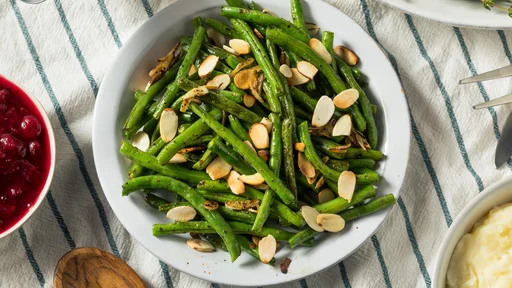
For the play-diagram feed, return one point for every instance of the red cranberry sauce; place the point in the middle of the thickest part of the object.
(24, 154)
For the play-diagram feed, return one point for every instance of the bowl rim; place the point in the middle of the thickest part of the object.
(462, 226)
(49, 178)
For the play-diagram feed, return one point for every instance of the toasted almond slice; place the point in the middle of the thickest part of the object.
(258, 34)
(305, 166)
(283, 59)
(307, 69)
(257, 85)
(249, 100)
(346, 98)
(240, 46)
(191, 149)
(253, 210)
(210, 205)
(331, 222)
(217, 37)
(178, 158)
(325, 196)
(249, 144)
(267, 248)
(168, 124)
(259, 135)
(286, 71)
(181, 213)
(207, 66)
(325, 159)
(256, 240)
(219, 82)
(343, 126)
(269, 12)
(192, 70)
(245, 78)
(320, 182)
(312, 180)
(265, 121)
(218, 168)
(242, 204)
(263, 186)
(297, 78)
(299, 146)
(200, 245)
(236, 186)
(229, 49)
(141, 141)
(349, 56)
(309, 214)
(324, 110)
(264, 155)
(312, 28)
(189, 96)
(254, 179)
(241, 66)
(346, 185)
(320, 49)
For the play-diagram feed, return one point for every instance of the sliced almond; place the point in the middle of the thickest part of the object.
(265, 121)
(229, 49)
(240, 46)
(264, 155)
(307, 69)
(210, 205)
(141, 141)
(305, 166)
(267, 248)
(299, 146)
(346, 185)
(249, 144)
(236, 186)
(325, 159)
(310, 214)
(254, 179)
(191, 149)
(257, 85)
(207, 66)
(349, 56)
(192, 70)
(283, 59)
(258, 34)
(325, 195)
(178, 158)
(320, 182)
(168, 125)
(297, 78)
(346, 98)
(217, 37)
(256, 240)
(245, 78)
(181, 213)
(241, 66)
(164, 64)
(343, 126)
(324, 110)
(219, 82)
(312, 28)
(218, 168)
(249, 100)
(312, 180)
(259, 135)
(200, 245)
(286, 71)
(242, 204)
(320, 49)
(330, 222)
(190, 95)
(263, 186)
(269, 12)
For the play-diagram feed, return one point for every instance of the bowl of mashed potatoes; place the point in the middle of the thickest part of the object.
(477, 249)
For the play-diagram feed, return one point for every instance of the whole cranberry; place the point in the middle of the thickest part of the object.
(6, 209)
(30, 172)
(12, 146)
(35, 149)
(3, 110)
(13, 119)
(30, 127)
(4, 96)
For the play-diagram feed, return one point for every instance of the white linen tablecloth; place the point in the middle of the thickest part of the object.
(60, 49)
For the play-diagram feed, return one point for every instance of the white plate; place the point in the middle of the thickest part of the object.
(465, 13)
(129, 72)
(495, 195)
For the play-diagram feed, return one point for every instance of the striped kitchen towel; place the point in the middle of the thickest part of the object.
(60, 49)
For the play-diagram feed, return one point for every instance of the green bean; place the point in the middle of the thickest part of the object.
(233, 96)
(217, 241)
(374, 109)
(338, 165)
(302, 114)
(137, 95)
(263, 211)
(276, 144)
(205, 139)
(264, 19)
(240, 216)
(168, 206)
(301, 237)
(351, 164)
(186, 117)
(220, 197)
(210, 49)
(356, 72)
(213, 218)
(298, 15)
(182, 140)
(238, 128)
(339, 204)
(249, 156)
(256, 108)
(327, 40)
(231, 157)
(369, 208)
(213, 186)
(310, 199)
(288, 156)
(247, 247)
(308, 103)
(155, 135)
(222, 28)
(232, 61)
(154, 201)
(176, 105)
(356, 153)
(151, 162)
(155, 147)
(303, 181)
(366, 176)
(236, 3)
(198, 22)
(205, 160)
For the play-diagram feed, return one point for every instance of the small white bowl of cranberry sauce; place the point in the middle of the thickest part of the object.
(27, 156)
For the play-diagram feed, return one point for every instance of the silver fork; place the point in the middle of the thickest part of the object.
(494, 74)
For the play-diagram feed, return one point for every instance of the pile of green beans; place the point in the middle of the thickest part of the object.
(220, 124)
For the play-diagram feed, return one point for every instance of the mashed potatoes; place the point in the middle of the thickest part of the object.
(483, 258)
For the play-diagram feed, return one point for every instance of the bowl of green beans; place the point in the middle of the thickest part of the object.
(251, 144)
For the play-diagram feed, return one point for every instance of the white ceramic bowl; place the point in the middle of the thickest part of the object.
(495, 195)
(48, 182)
(129, 72)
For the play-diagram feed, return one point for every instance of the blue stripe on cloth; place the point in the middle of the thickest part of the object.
(31, 257)
(376, 244)
(60, 220)
(110, 23)
(503, 39)
(167, 276)
(303, 283)
(78, 52)
(414, 243)
(481, 87)
(215, 285)
(344, 275)
(147, 7)
(65, 127)
(448, 103)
